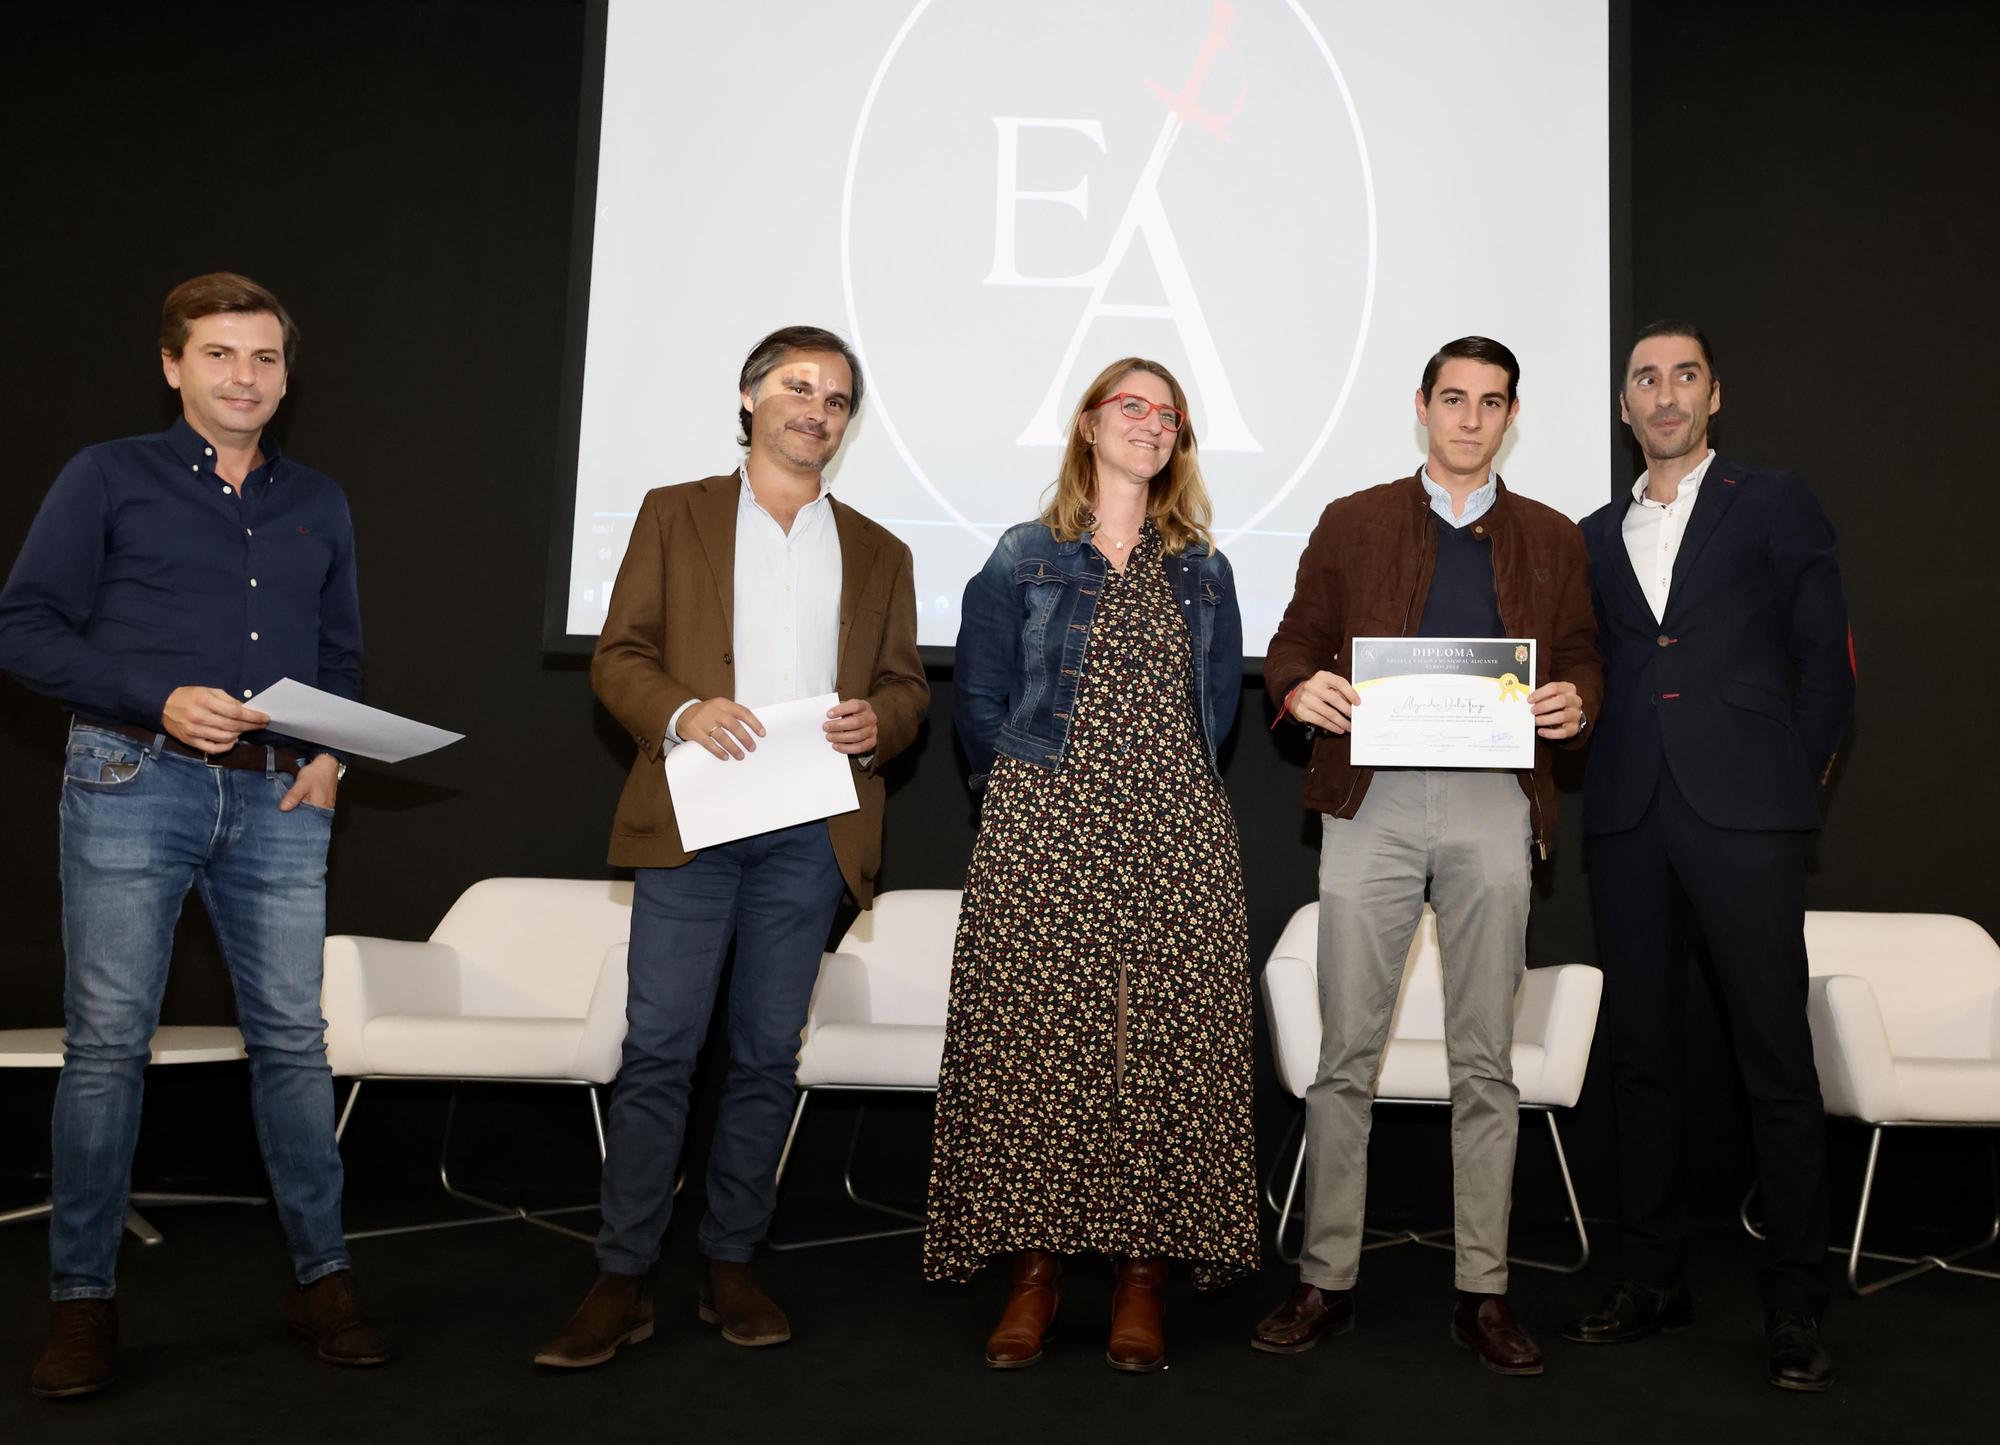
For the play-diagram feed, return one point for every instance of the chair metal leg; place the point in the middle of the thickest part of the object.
(785, 1154)
(26, 1212)
(847, 1183)
(496, 1212)
(1285, 1209)
(1442, 1237)
(346, 1110)
(1297, 1130)
(1576, 1265)
(141, 1227)
(1916, 1263)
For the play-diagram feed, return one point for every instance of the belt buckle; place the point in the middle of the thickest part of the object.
(214, 760)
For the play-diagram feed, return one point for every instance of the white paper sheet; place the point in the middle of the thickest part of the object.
(313, 716)
(794, 776)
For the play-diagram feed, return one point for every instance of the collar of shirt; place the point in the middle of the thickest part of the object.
(1476, 506)
(748, 496)
(199, 453)
(1690, 484)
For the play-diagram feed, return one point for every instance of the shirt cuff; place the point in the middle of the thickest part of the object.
(673, 722)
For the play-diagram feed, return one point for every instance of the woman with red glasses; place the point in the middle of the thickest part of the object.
(1095, 1093)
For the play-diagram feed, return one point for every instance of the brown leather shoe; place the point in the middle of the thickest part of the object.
(732, 1299)
(328, 1312)
(1016, 1342)
(617, 1311)
(1484, 1325)
(1138, 1331)
(80, 1355)
(1309, 1316)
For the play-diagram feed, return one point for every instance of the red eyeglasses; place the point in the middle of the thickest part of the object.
(1139, 408)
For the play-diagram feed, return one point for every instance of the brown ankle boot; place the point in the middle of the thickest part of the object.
(328, 1312)
(80, 1355)
(617, 1311)
(1016, 1342)
(1138, 1331)
(732, 1299)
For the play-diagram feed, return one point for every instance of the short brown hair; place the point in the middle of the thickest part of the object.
(765, 356)
(217, 292)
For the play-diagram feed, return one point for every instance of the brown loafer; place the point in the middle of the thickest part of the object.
(1016, 1342)
(1302, 1321)
(1484, 1325)
(732, 1299)
(1138, 1327)
(617, 1311)
(328, 1312)
(80, 1355)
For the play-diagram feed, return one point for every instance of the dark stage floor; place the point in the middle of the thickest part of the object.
(879, 1355)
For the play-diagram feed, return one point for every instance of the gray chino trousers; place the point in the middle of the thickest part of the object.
(1466, 835)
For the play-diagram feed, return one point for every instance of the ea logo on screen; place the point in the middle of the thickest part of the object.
(1030, 198)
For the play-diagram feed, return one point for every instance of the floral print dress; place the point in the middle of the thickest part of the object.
(1096, 1087)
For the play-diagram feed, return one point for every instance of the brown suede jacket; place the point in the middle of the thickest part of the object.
(1367, 573)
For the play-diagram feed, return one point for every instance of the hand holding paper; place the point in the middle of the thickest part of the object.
(313, 716)
(791, 776)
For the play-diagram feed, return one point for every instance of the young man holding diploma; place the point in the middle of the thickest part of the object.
(748, 588)
(1448, 552)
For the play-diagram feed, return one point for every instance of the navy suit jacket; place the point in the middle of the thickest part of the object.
(1743, 690)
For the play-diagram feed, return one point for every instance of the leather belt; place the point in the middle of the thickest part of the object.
(247, 757)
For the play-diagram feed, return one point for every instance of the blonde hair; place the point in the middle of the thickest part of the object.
(1176, 501)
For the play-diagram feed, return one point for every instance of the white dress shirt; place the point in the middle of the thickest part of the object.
(786, 634)
(1653, 532)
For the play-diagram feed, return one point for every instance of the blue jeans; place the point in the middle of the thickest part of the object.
(776, 893)
(140, 826)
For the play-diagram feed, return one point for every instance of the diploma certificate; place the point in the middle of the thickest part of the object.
(1443, 702)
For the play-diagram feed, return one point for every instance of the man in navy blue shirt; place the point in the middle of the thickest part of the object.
(166, 580)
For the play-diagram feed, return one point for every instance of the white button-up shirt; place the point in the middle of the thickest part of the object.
(786, 636)
(1653, 532)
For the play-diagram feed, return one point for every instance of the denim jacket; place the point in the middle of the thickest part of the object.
(1024, 628)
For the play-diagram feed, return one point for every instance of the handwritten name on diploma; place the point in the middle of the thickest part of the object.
(1439, 706)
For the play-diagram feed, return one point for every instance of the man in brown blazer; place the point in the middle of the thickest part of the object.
(741, 590)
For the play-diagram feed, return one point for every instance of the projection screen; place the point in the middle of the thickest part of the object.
(1291, 203)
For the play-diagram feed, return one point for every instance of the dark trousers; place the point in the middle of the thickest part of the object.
(1745, 892)
(776, 894)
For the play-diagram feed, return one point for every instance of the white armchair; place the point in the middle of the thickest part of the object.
(523, 981)
(876, 1022)
(172, 1044)
(1555, 1018)
(1905, 1012)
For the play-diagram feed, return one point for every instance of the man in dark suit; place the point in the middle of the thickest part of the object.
(739, 591)
(1728, 684)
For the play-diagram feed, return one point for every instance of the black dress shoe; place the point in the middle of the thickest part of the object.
(1632, 1311)
(1798, 1360)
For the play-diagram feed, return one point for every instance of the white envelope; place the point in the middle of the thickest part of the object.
(794, 776)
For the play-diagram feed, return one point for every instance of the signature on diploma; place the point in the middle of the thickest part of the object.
(1438, 705)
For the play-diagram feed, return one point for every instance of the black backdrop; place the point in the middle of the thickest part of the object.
(1797, 176)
